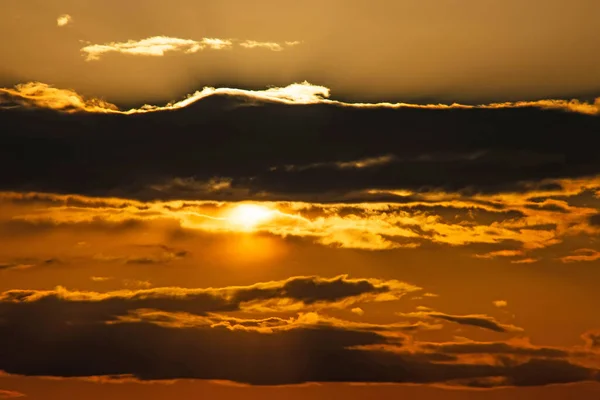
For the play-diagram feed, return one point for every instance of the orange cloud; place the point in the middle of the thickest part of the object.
(10, 394)
(500, 253)
(582, 255)
(293, 294)
(500, 303)
(36, 94)
(369, 226)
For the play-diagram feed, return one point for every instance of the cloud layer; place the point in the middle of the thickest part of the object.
(310, 147)
(177, 333)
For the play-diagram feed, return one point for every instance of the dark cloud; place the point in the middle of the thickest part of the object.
(250, 142)
(160, 254)
(7, 266)
(481, 321)
(98, 307)
(175, 333)
(496, 348)
(302, 354)
(595, 220)
(593, 339)
(26, 263)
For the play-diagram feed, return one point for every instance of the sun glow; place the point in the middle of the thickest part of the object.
(249, 216)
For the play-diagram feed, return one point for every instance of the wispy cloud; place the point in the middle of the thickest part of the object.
(160, 45)
(479, 320)
(154, 46)
(582, 255)
(10, 394)
(253, 44)
(500, 253)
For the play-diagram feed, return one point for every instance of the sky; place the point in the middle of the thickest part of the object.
(270, 199)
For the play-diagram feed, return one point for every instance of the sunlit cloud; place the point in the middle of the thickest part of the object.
(368, 226)
(158, 46)
(500, 303)
(296, 93)
(63, 20)
(179, 324)
(358, 311)
(500, 253)
(253, 44)
(154, 46)
(36, 94)
(267, 325)
(296, 294)
(525, 261)
(273, 46)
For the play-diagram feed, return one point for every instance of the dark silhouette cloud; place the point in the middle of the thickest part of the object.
(480, 321)
(103, 307)
(496, 348)
(75, 348)
(259, 145)
(176, 333)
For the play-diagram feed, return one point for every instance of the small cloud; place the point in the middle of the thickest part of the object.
(253, 44)
(525, 261)
(500, 253)
(63, 20)
(431, 295)
(137, 284)
(581, 255)
(500, 303)
(592, 339)
(480, 321)
(101, 278)
(358, 311)
(14, 266)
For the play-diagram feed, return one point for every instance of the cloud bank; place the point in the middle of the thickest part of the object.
(177, 333)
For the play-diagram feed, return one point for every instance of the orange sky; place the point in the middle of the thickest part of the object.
(303, 200)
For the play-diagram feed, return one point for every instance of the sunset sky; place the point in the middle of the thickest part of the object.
(340, 199)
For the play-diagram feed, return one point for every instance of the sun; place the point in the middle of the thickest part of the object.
(249, 216)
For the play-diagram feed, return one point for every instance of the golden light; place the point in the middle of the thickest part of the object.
(249, 216)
